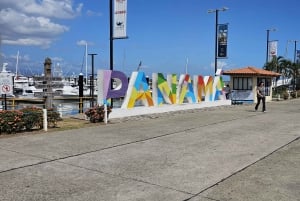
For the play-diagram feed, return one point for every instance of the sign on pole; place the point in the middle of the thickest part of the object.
(222, 40)
(298, 56)
(120, 14)
(272, 49)
(6, 84)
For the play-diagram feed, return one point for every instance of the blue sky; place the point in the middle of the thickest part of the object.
(163, 34)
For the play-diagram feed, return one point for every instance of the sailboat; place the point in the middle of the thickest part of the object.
(22, 84)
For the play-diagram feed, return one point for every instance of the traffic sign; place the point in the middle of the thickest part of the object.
(6, 88)
(6, 85)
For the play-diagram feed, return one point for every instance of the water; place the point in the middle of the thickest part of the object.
(67, 107)
(64, 106)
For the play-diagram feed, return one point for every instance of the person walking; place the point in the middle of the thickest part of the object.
(227, 92)
(260, 94)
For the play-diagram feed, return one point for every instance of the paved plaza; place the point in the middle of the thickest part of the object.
(217, 153)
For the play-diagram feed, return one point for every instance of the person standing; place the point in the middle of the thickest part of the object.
(227, 91)
(260, 94)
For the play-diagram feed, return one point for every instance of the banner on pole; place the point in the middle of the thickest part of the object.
(298, 56)
(222, 40)
(272, 49)
(120, 14)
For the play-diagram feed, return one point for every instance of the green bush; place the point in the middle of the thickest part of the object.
(11, 121)
(97, 113)
(26, 119)
(53, 117)
(32, 118)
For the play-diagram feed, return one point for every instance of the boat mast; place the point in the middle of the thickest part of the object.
(86, 74)
(17, 64)
(186, 65)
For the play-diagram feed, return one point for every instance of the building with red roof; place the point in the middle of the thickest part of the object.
(243, 82)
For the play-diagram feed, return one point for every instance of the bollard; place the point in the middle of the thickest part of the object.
(60, 110)
(105, 113)
(45, 122)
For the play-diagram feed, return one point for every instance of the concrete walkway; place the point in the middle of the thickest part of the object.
(214, 153)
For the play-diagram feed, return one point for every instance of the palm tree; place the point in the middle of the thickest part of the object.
(274, 64)
(295, 72)
(284, 66)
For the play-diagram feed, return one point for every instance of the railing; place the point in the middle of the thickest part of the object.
(72, 105)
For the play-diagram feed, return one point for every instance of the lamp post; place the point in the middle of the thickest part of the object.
(295, 50)
(216, 33)
(92, 80)
(268, 35)
(295, 53)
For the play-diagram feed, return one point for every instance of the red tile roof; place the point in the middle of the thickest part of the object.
(251, 71)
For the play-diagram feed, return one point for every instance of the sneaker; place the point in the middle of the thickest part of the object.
(264, 111)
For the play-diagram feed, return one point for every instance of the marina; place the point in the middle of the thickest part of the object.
(19, 91)
(66, 106)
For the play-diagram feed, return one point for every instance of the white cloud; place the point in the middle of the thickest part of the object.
(29, 22)
(92, 13)
(47, 8)
(25, 57)
(83, 42)
(57, 59)
(29, 42)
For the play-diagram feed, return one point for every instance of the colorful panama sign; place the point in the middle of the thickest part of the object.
(163, 90)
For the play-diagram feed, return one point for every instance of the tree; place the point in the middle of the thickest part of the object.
(294, 69)
(274, 64)
(284, 68)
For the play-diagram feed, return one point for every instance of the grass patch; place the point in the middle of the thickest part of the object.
(66, 124)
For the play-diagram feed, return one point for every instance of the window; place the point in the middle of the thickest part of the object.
(242, 83)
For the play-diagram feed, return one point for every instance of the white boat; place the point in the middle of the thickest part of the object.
(32, 87)
(66, 91)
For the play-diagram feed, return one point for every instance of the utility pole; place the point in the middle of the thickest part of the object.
(92, 81)
(216, 33)
(111, 42)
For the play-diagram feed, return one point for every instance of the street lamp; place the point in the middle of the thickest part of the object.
(92, 81)
(295, 50)
(268, 34)
(295, 53)
(216, 34)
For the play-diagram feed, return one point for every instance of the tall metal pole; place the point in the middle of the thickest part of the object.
(267, 55)
(86, 74)
(216, 42)
(216, 34)
(111, 38)
(295, 50)
(92, 81)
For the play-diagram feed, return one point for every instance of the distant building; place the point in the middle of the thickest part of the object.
(243, 82)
